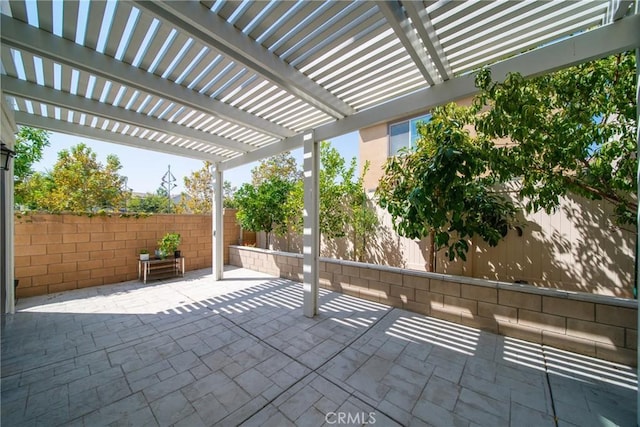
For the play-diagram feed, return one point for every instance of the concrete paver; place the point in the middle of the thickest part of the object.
(196, 352)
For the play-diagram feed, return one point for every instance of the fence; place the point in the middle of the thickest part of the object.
(577, 248)
(55, 253)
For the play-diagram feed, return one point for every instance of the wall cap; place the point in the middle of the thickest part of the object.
(518, 287)
(267, 251)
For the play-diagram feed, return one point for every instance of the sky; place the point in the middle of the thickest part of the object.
(145, 169)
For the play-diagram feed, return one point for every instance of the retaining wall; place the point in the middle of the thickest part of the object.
(594, 325)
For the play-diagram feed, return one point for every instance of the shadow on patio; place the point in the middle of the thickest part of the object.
(198, 352)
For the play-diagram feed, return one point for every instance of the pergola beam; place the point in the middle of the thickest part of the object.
(54, 125)
(24, 89)
(617, 9)
(427, 32)
(619, 36)
(396, 18)
(195, 20)
(24, 37)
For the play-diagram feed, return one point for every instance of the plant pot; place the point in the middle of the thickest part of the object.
(176, 254)
(144, 257)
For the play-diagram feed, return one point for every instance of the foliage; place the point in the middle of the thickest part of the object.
(229, 194)
(262, 207)
(78, 183)
(273, 201)
(364, 220)
(281, 166)
(169, 243)
(574, 131)
(30, 144)
(335, 179)
(344, 206)
(293, 220)
(144, 251)
(444, 187)
(157, 202)
(197, 198)
(32, 193)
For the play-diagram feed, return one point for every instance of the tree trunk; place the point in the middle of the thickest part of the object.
(431, 263)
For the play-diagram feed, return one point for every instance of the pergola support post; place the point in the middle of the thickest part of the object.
(638, 219)
(311, 224)
(218, 224)
(7, 235)
(8, 130)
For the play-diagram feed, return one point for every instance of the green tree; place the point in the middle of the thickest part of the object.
(293, 220)
(444, 188)
(32, 192)
(364, 220)
(273, 201)
(78, 183)
(574, 132)
(30, 144)
(229, 195)
(262, 207)
(344, 207)
(157, 202)
(281, 166)
(335, 177)
(197, 197)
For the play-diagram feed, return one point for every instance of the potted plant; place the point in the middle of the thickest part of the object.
(169, 244)
(144, 255)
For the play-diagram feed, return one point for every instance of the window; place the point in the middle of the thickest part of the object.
(405, 134)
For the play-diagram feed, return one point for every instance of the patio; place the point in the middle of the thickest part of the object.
(194, 352)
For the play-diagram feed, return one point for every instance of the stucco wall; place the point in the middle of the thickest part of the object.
(374, 148)
(600, 326)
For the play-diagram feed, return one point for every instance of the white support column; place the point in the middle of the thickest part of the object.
(7, 236)
(638, 216)
(218, 225)
(311, 224)
(8, 130)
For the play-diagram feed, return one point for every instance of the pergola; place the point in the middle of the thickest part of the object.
(233, 81)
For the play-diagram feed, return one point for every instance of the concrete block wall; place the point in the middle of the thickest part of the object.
(594, 325)
(55, 253)
(281, 264)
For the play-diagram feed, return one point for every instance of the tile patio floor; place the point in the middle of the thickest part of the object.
(196, 352)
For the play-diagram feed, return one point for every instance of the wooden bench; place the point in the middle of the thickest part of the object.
(154, 269)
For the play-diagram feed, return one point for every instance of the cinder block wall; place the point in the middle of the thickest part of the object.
(55, 253)
(594, 325)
